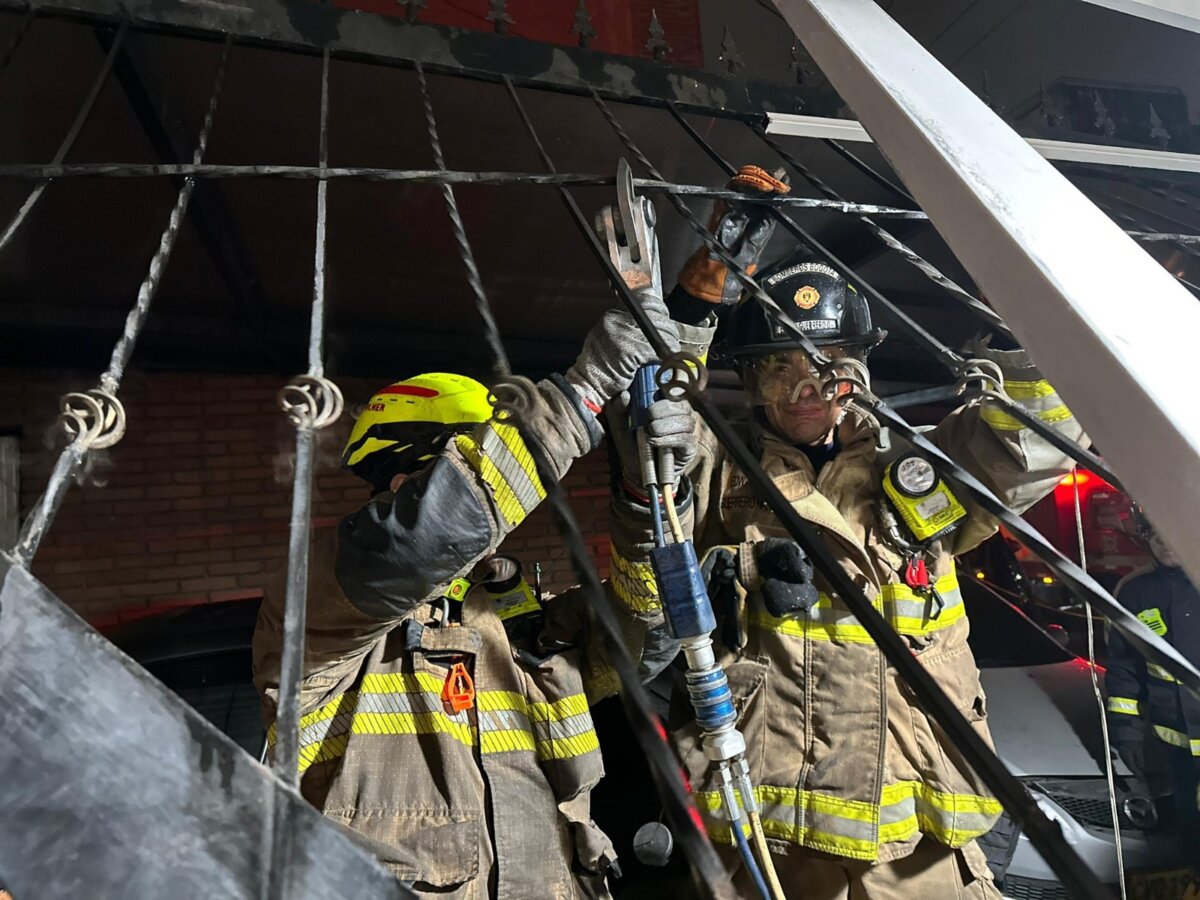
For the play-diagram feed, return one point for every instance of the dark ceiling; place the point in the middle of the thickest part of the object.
(397, 298)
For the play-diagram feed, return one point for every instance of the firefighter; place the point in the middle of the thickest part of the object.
(861, 794)
(455, 744)
(1143, 698)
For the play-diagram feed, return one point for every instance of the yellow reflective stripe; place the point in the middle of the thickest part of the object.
(911, 613)
(633, 583)
(556, 729)
(1178, 739)
(856, 828)
(516, 446)
(1029, 390)
(568, 747)
(537, 711)
(506, 499)
(1126, 706)
(846, 631)
(402, 682)
(908, 611)
(505, 740)
(1160, 673)
(1004, 421)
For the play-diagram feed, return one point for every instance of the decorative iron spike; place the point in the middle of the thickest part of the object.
(1103, 121)
(499, 17)
(1048, 108)
(657, 43)
(1158, 132)
(729, 54)
(411, 7)
(583, 24)
(797, 63)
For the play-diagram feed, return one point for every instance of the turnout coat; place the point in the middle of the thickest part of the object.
(491, 800)
(843, 759)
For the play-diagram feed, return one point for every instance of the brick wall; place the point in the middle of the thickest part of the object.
(192, 505)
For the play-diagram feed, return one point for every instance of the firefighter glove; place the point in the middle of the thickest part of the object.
(742, 230)
(671, 427)
(787, 577)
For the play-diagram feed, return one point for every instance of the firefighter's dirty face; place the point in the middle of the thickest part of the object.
(789, 388)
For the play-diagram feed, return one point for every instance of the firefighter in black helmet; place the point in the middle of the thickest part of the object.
(860, 794)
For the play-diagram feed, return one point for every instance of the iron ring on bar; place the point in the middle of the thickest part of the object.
(859, 378)
(311, 401)
(95, 418)
(513, 397)
(681, 374)
(984, 371)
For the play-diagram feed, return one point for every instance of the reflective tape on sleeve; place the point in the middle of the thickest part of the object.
(499, 455)
(634, 583)
(1124, 705)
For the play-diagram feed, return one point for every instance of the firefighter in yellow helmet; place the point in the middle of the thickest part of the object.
(437, 723)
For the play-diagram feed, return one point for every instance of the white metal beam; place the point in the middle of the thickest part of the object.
(1112, 329)
(1064, 151)
(1176, 13)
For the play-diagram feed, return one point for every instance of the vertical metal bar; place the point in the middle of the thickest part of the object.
(64, 148)
(111, 379)
(291, 664)
(47, 506)
(316, 347)
(1031, 240)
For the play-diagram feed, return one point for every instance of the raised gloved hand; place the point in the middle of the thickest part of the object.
(743, 229)
(787, 577)
(615, 347)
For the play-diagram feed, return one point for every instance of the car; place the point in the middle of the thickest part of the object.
(1042, 711)
(203, 654)
(1046, 724)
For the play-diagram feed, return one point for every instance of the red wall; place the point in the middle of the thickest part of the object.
(192, 506)
(622, 26)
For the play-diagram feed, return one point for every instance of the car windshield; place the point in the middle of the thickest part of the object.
(1002, 636)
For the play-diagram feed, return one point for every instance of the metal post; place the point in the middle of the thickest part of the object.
(312, 402)
(1107, 324)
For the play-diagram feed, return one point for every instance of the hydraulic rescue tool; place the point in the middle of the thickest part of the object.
(628, 232)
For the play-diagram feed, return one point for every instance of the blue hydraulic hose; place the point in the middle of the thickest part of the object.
(749, 861)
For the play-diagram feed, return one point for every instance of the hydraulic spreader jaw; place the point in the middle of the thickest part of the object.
(627, 230)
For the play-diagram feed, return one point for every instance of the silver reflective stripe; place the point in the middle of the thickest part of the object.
(571, 726)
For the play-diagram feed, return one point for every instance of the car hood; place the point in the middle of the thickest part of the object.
(1044, 720)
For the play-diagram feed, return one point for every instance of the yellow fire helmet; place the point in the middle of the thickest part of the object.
(407, 423)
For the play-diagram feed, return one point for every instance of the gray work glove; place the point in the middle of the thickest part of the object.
(671, 426)
(615, 348)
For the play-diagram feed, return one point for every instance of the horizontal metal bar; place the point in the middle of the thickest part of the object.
(433, 176)
(305, 26)
(1062, 151)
